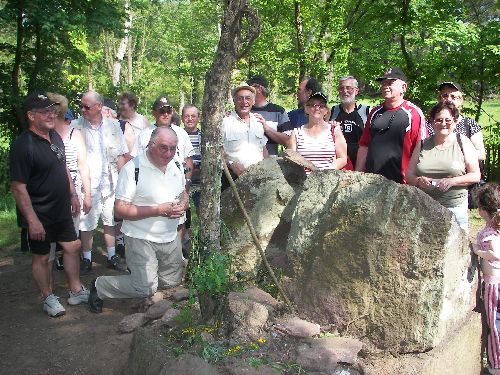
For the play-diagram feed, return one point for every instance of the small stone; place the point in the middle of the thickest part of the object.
(180, 294)
(157, 310)
(169, 317)
(324, 354)
(157, 297)
(131, 322)
(298, 328)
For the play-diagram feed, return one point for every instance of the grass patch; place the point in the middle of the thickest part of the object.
(9, 233)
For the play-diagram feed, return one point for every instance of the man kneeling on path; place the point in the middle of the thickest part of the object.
(151, 198)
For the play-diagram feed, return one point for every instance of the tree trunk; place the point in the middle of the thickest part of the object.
(39, 52)
(16, 69)
(299, 31)
(120, 54)
(233, 44)
(129, 61)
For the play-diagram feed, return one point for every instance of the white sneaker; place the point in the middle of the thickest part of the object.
(53, 307)
(80, 297)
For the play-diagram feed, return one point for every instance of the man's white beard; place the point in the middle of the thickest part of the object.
(349, 100)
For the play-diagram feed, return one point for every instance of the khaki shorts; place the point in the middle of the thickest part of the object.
(102, 207)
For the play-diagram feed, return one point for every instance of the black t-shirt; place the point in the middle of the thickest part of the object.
(42, 167)
(352, 127)
(388, 130)
(276, 117)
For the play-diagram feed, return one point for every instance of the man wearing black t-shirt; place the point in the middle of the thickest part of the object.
(273, 117)
(46, 200)
(350, 115)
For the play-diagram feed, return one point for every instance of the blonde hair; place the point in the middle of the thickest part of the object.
(62, 107)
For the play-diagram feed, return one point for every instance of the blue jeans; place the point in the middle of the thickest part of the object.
(461, 213)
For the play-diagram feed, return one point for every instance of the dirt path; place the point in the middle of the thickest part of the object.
(79, 342)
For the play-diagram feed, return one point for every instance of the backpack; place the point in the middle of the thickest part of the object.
(363, 111)
(136, 168)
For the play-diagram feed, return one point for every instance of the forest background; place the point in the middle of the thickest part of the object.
(163, 47)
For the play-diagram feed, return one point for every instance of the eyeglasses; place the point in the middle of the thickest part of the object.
(86, 107)
(316, 106)
(164, 148)
(244, 98)
(165, 110)
(447, 121)
(46, 111)
(56, 150)
(451, 96)
(346, 88)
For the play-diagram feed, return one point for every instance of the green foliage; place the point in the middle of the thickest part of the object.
(211, 274)
(9, 235)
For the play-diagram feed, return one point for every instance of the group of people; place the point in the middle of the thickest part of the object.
(134, 176)
(67, 173)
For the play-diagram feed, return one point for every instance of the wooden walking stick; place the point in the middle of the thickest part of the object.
(255, 239)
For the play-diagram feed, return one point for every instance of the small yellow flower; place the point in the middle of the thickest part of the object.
(261, 341)
(188, 331)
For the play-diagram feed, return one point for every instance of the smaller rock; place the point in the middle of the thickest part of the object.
(298, 328)
(324, 354)
(207, 337)
(157, 297)
(189, 365)
(242, 368)
(180, 294)
(131, 322)
(169, 317)
(157, 310)
(257, 295)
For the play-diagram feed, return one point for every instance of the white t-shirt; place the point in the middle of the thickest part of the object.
(243, 143)
(153, 187)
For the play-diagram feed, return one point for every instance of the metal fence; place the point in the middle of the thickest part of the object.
(491, 169)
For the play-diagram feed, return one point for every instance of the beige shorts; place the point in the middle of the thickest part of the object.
(102, 207)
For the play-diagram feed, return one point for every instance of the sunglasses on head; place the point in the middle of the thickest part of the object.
(166, 110)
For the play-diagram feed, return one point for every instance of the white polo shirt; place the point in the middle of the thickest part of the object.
(243, 143)
(153, 187)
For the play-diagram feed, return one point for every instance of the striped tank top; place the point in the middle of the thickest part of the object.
(72, 159)
(319, 151)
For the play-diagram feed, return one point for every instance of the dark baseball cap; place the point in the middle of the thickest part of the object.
(450, 84)
(161, 102)
(37, 100)
(319, 95)
(259, 80)
(394, 73)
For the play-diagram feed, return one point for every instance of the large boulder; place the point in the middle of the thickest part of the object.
(380, 260)
(269, 191)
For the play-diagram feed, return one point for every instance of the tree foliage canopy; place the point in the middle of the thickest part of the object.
(70, 46)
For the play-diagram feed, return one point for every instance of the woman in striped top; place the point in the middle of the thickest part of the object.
(317, 141)
(75, 151)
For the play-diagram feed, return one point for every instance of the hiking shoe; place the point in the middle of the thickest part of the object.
(117, 263)
(85, 266)
(53, 307)
(80, 297)
(95, 303)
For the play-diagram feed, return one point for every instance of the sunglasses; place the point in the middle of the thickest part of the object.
(166, 110)
(86, 107)
(56, 150)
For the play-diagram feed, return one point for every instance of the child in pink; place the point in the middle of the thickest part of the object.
(487, 249)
